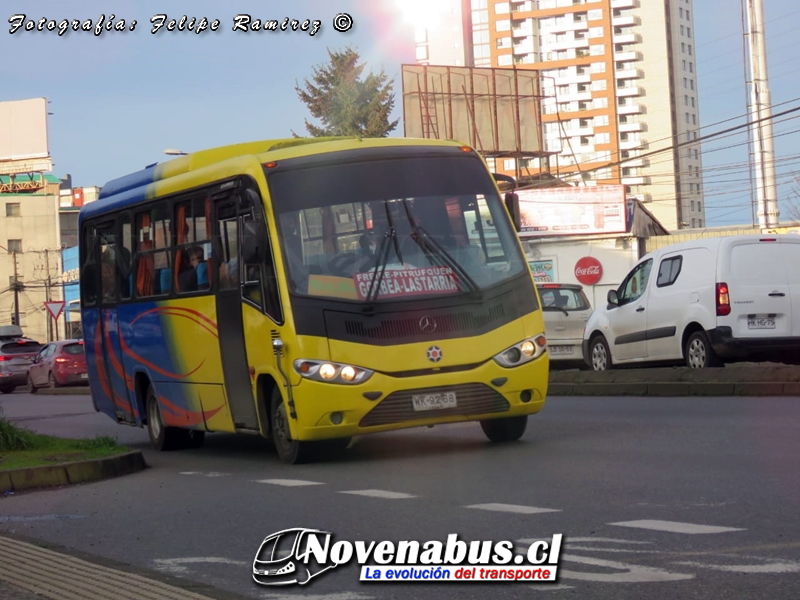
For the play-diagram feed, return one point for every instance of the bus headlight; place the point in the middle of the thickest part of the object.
(523, 352)
(331, 372)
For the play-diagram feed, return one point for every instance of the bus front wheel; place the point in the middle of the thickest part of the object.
(290, 451)
(508, 429)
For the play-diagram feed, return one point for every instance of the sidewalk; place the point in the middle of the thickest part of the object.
(33, 571)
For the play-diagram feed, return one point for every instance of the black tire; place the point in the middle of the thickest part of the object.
(599, 354)
(51, 381)
(507, 429)
(698, 352)
(292, 452)
(7, 389)
(31, 388)
(162, 437)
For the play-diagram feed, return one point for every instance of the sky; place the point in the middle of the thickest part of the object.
(118, 100)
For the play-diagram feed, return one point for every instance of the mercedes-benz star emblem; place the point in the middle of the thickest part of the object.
(435, 354)
(427, 325)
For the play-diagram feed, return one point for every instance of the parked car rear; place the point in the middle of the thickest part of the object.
(58, 364)
(16, 354)
(566, 311)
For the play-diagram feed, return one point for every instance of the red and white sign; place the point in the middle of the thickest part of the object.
(588, 270)
(573, 210)
(54, 308)
(400, 283)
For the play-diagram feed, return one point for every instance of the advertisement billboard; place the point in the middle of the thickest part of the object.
(23, 144)
(573, 210)
(496, 111)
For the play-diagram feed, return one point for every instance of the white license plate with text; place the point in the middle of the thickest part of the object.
(761, 323)
(84, 376)
(438, 401)
(561, 350)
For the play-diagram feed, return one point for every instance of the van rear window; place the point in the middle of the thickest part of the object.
(21, 348)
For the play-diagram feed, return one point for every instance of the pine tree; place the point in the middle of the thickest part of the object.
(344, 103)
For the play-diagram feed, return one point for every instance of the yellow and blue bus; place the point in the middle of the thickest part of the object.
(308, 291)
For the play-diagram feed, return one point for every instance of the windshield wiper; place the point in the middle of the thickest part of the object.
(433, 248)
(382, 259)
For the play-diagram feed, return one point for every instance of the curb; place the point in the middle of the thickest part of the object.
(78, 390)
(675, 389)
(72, 472)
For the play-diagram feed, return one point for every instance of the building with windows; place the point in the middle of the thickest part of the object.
(620, 84)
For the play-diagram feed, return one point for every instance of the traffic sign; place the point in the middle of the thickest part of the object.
(54, 308)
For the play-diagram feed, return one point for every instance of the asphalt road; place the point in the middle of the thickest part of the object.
(658, 498)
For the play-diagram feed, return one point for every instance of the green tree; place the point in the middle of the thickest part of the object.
(344, 103)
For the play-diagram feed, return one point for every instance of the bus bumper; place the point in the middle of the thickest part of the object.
(326, 411)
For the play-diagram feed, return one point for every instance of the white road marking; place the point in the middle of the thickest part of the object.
(630, 573)
(379, 494)
(288, 482)
(774, 567)
(337, 596)
(176, 565)
(513, 508)
(675, 527)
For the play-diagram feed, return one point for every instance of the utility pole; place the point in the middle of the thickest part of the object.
(16, 292)
(47, 295)
(761, 114)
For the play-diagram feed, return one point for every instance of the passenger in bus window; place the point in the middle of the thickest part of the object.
(189, 277)
(109, 282)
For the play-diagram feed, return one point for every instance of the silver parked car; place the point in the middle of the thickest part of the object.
(16, 355)
(566, 311)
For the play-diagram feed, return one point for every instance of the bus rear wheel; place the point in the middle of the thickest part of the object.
(162, 437)
(292, 452)
(507, 429)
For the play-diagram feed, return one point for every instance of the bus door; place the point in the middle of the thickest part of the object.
(112, 263)
(230, 323)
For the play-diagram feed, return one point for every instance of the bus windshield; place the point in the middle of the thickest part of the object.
(394, 229)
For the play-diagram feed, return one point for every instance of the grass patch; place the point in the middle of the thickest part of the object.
(22, 448)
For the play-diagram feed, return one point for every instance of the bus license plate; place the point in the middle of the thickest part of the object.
(434, 401)
(767, 323)
(561, 350)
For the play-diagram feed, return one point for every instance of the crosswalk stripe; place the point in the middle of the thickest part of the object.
(675, 526)
(288, 482)
(513, 508)
(379, 494)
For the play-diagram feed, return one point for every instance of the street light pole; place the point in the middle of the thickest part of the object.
(16, 292)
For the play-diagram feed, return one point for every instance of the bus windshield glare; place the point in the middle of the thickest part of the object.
(393, 229)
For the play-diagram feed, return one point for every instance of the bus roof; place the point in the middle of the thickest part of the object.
(135, 187)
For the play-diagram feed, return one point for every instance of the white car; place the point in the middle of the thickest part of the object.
(704, 303)
(566, 310)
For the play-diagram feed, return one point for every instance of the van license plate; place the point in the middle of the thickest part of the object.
(767, 323)
(434, 401)
(560, 350)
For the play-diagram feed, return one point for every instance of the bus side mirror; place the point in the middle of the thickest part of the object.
(512, 204)
(254, 243)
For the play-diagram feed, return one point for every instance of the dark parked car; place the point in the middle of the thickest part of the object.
(16, 354)
(57, 364)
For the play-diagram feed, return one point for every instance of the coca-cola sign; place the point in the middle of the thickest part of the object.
(588, 270)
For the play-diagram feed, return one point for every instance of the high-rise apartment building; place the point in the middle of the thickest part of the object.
(619, 81)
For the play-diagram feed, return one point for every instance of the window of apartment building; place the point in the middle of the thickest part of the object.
(680, 12)
(699, 222)
(481, 36)
(689, 31)
(583, 105)
(686, 100)
(502, 8)
(692, 205)
(598, 67)
(504, 60)
(601, 138)
(563, 89)
(503, 42)
(684, 65)
(14, 246)
(696, 154)
(691, 67)
(600, 102)
(509, 164)
(601, 121)
(421, 36)
(422, 52)
(597, 50)
(579, 17)
(623, 137)
(697, 171)
(694, 222)
(685, 82)
(690, 49)
(503, 25)
(682, 30)
(584, 87)
(683, 47)
(692, 99)
(694, 119)
(480, 16)
(596, 32)
(585, 140)
(699, 204)
(479, 3)
(687, 13)
(12, 209)
(687, 117)
(595, 14)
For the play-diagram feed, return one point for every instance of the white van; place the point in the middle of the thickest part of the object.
(703, 302)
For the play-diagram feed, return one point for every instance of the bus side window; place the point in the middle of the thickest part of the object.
(88, 272)
(125, 256)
